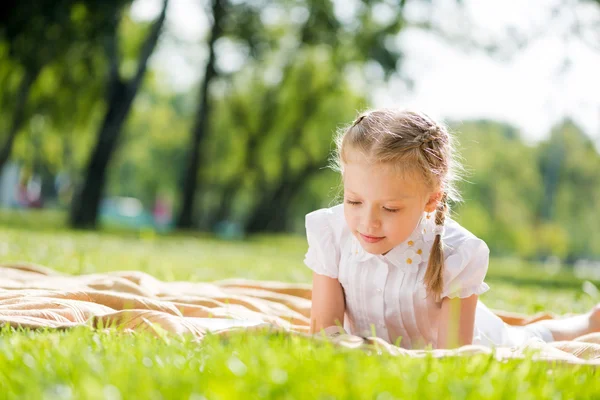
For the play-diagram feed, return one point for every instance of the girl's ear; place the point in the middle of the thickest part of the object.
(432, 202)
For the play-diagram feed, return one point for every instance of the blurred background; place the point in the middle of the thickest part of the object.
(217, 116)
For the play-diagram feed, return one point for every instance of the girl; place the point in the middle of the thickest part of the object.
(389, 262)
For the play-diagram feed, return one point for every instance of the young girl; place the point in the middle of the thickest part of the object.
(389, 262)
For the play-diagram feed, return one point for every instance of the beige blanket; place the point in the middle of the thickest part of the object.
(33, 296)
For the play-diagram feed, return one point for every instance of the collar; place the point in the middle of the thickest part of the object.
(408, 254)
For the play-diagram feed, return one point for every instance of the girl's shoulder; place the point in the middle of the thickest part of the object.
(326, 221)
(456, 237)
(466, 261)
(324, 230)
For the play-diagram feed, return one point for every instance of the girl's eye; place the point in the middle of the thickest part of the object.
(391, 209)
(353, 202)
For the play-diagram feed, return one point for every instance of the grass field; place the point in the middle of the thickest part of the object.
(85, 364)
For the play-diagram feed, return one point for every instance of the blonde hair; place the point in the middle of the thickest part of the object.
(414, 144)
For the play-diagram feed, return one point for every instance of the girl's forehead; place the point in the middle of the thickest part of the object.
(381, 181)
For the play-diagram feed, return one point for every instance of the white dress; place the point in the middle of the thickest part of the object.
(385, 294)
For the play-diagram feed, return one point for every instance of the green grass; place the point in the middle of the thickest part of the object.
(86, 364)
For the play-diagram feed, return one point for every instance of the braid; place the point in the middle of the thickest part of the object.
(433, 130)
(442, 210)
(426, 136)
(434, 275)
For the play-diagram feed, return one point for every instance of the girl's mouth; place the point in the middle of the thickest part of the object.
(371, 239)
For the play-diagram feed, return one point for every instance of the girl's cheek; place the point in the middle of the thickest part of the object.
(356, 221)
(350, 219)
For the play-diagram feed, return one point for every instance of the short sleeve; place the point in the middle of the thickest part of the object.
(465, 269)
(323, 250)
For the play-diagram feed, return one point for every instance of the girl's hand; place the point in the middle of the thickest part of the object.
(457, 322)
(328, 305)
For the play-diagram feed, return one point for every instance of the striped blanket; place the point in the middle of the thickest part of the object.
(33, 296)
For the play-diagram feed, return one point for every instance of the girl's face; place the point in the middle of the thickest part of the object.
(382, 207)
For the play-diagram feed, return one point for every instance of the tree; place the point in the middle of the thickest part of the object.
(569, 164)
(185, 219)
(270, 139)
(39, 33)
(361, 42)
(120, 95)
(502, 189)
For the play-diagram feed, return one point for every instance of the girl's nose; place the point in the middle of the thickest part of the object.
(372, 219)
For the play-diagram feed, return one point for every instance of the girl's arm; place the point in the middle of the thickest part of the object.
(328, 304)
(457, 321)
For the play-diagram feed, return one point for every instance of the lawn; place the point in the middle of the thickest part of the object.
(85, 364)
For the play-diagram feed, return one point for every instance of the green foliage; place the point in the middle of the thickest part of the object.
(266, 132)
(526, 200)
(152, 151)
(272, 122)
(60, 45)
(570, 166)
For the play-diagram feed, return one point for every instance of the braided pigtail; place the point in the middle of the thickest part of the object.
(434, 275)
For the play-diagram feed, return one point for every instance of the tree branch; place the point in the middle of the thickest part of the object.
(149, 46)
(19, 113)
(112, 52)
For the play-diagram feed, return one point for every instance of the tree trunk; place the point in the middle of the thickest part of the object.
(272, 210)
(85, 207)
(223, 211)
(550, 179)
(185, 219)
(84, 210)
(251, 156)
(18, 114)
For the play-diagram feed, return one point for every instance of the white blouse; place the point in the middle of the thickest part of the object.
(385, 294)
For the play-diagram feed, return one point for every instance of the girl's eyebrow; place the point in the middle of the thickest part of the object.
(398, 198)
